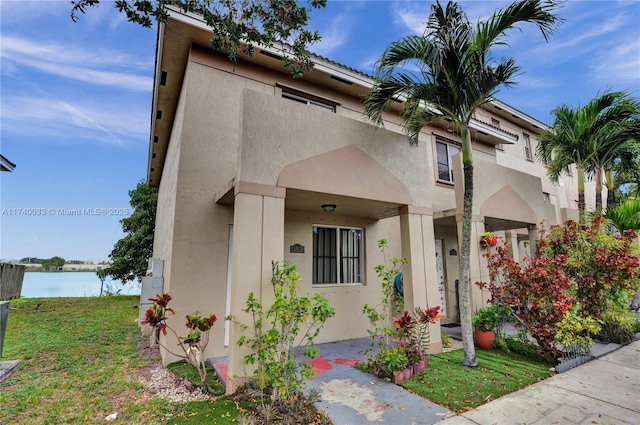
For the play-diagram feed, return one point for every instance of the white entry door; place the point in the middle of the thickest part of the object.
(442, 285)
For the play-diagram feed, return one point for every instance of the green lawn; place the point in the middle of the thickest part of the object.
(448, 383)
(80, 363)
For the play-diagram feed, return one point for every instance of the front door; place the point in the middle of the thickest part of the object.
(442, 286)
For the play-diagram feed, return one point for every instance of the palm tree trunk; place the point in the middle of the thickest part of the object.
(598, 189)
(581, 203)
(611, 196)
(464, 288)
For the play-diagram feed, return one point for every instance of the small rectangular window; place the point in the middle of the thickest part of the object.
(526, 143)
(444, 153)
(337, 255)
(311, 102)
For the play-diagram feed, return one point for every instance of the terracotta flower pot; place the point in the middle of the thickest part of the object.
(484, 339)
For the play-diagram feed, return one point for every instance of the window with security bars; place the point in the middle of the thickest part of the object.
(337, 255)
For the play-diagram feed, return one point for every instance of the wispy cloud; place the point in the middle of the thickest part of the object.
(68, 119)
(587, 38)
(334, 36)
(620, 64)
(410, 17)
(98, 67)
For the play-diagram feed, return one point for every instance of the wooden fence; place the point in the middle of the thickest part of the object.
(11, 276)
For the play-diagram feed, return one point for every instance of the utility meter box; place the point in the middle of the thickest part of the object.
(155, 267)
(151, 286)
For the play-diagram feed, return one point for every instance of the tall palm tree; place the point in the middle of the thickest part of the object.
(593, 138)
(616, 135)
(456, 75)
(562, 146)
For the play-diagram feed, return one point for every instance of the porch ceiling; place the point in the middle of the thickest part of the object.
(302, 200)
(494, 224)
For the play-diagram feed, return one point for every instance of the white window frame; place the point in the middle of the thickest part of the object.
(449, 165)
(307, 101)
(339, 257)
(526, 144)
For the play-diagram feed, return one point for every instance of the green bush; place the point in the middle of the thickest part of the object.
(518, 344)
(385, 363)
(618, 326)
(486, 319)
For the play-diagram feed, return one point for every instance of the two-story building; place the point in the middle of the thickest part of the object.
(254, 167)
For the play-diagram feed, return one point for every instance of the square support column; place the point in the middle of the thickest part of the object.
(420, 278)
(478, 265)
(533, 239)
(258, 240)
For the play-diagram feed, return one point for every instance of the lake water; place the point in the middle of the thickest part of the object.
(72, 284)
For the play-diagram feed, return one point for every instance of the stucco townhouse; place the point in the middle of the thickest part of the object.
(254, 167)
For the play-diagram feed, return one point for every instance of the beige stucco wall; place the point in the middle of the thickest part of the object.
(193, 238)
(348, 300)
(277, 132)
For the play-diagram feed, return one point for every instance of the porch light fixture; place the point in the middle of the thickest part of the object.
(328, 208)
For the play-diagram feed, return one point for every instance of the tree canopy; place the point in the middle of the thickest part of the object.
(130, 255)
(52, 263)
(236, 26)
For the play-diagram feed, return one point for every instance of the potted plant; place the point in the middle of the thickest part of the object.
(488, 239)
(484, 323)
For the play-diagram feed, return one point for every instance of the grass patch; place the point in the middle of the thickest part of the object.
(185, 370)
(220, 412)
(446, 382)
(81, 362)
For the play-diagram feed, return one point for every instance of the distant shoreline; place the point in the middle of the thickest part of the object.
(31, 268)
(37, 270)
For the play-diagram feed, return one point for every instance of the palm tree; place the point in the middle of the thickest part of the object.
(593, 137)
(456, 76)
(562, 146)
(615, 130)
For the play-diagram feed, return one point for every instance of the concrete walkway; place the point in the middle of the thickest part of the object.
(603, 391)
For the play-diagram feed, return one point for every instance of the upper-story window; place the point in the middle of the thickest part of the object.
(309, 102)
(444, 152)
(338, 255)
(295, 95)
(526, 143)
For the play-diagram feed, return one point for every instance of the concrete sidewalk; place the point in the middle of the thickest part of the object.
(603, 391)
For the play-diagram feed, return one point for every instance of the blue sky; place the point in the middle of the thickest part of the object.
(76, 99)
